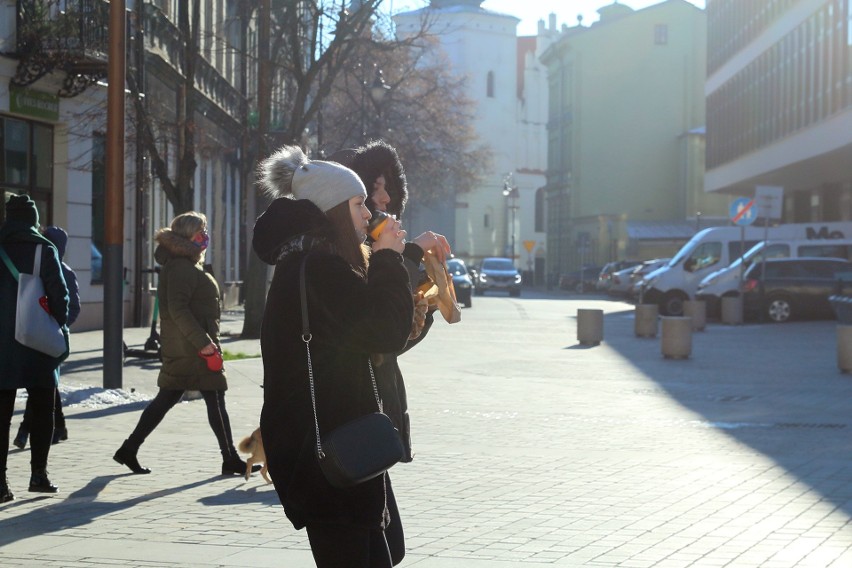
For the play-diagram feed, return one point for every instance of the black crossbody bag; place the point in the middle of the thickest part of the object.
(361, 449)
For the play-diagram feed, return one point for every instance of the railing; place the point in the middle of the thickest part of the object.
(70, 37)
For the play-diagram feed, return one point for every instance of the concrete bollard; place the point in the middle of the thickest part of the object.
(844, 348)
(676, 341)
(732, 310)
(589, 326)
(697, 310)
(645, 324)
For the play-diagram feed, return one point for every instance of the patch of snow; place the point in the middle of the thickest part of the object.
(82, 396)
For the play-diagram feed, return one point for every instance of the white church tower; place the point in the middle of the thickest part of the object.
(509, 87)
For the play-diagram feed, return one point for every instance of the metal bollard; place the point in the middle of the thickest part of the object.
(676, 341)
(645, 324)
(697, 310)
(732, 310)
(589, 326)
(844, 348)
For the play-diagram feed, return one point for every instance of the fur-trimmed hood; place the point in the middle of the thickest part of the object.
(289, 225)
(369, 162)
(173, 245)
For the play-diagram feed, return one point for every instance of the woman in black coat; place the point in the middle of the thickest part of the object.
(20, 366)
(380, 169)
(356, 309)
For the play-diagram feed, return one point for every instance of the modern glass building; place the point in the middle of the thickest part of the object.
(779, 103)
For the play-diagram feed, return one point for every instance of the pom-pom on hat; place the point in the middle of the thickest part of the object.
(22, 208)
(289, 172)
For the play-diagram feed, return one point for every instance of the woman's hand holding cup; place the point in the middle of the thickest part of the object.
(392, 237)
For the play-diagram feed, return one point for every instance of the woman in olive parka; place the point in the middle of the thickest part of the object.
(189, 335)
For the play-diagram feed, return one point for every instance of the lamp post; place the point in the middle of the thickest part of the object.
(510, 192)
(377, 90)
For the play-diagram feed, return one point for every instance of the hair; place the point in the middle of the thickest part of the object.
(189, 223)
(345, 239)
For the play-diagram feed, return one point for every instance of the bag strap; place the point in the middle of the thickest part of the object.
(306, 337)
(37, 262)
(9, 264)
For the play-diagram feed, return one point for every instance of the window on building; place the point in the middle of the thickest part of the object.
(661, 34)
(26, 163)
(489, 88)
(98, 198)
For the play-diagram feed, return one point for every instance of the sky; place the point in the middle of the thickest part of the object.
(531, 11)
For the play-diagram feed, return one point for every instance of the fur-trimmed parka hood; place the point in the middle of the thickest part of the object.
(289, 225)
(173, 245)
(369, 162)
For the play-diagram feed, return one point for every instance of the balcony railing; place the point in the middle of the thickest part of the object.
(68, 36)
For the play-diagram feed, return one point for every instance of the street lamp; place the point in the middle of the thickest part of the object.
(510, 192)
(377, 91)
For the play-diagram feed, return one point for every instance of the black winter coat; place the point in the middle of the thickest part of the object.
(20, 366)
(350, 318)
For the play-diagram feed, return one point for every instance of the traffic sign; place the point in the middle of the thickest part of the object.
(743, 211)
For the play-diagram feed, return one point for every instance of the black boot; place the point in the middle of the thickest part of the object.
(39, 482)
(127, 456)
(5, 493)
(235, 466)
(20, 440)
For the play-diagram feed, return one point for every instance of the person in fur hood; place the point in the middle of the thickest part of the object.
(190, 311)
(357, 306)
(380, 169)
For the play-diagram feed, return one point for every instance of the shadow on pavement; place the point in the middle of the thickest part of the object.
(773, 387)
(55, 517)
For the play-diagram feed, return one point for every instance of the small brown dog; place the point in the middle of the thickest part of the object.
(254, 445)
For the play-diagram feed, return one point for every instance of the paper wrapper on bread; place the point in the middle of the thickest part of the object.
(442, 294)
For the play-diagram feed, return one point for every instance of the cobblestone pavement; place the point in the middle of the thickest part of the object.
(529, 449)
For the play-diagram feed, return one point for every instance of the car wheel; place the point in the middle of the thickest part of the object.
(779, 309)
(515, 293)
(579, 288)
(468, 303)
(478, 292)
(672, 304)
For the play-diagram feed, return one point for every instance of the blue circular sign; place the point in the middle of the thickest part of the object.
(743, 211)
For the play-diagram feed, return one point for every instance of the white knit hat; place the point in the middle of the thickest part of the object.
(327, 184)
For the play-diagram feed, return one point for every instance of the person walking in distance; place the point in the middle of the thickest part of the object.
(59, 238)
(190, 311)
(359, 303)
(20, 366)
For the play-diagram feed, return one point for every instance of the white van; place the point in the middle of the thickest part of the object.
(715, 248)
(726, 281)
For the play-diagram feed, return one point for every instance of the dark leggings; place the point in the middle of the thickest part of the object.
(58, 415)
(349, 546)
(41, 431)
(217, 416)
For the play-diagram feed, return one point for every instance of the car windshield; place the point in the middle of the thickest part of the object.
(456, 268)
(498, 264)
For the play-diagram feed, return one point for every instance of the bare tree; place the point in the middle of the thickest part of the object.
(313, 44)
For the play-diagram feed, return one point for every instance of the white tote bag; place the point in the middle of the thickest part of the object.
(34, 326)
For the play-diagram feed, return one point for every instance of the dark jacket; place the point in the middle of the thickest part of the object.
(20, 366)
(59, 238)
(369, 162)
(190, 311)
(350, 318)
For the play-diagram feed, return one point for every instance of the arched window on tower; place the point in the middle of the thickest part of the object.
(489, 88)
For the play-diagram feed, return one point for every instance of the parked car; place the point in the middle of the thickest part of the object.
(794, 288)
(495, 273)
(462, 281)
(605, 275)
(581, 280)
(620, 281)
(638, 275)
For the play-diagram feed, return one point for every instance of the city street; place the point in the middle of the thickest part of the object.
(529, 449)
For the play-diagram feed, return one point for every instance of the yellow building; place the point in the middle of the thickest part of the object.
(625, 136)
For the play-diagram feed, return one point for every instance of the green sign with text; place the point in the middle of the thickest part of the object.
(34, 103)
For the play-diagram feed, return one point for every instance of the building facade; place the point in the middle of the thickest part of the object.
(779, 103)
(53, 59)
(626, 136)
(503, 215)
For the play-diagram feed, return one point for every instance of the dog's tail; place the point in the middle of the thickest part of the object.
(246, 444)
